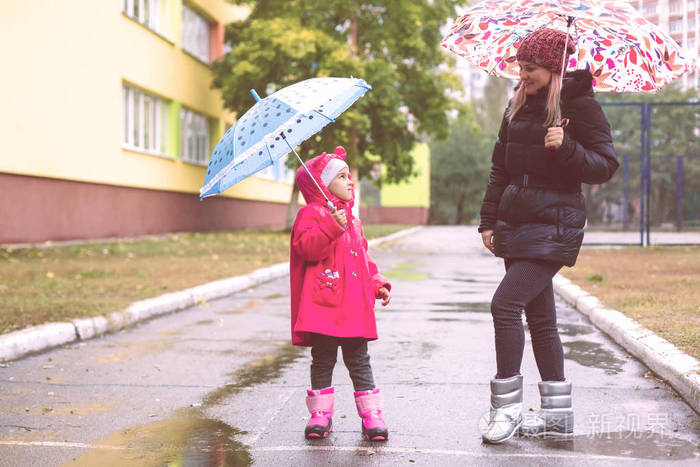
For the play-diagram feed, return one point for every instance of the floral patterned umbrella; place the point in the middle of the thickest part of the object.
(623, 51)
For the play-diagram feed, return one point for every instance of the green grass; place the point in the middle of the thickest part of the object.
(65, 282)
(657, 286)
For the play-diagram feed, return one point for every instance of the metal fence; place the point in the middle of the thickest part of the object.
(654, 198)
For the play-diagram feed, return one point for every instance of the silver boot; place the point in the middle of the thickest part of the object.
(556, 418)
(505, 415)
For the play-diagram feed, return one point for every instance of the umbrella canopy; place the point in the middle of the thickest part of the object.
(623, 51)
(275, 125)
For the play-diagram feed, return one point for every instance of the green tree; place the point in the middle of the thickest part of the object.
(392, 44)
(459, 169)
(460, 166)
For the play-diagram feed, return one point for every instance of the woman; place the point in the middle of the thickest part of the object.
(533, 215)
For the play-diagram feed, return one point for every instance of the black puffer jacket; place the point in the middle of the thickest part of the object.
(533, 200)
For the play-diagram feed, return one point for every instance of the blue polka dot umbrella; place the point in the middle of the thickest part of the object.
(275, 125)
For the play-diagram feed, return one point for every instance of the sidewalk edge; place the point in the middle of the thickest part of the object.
(46, 336)
(679, 369)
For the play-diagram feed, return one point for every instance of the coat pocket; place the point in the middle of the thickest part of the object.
(327, 290)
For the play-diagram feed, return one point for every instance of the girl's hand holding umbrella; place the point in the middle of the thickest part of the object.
(340, 217)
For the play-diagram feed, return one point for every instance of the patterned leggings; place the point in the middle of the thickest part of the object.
(527, 286)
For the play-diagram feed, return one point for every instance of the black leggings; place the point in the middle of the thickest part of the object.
(324, 353)
(527, 286)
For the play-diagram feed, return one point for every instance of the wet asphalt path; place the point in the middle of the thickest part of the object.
(220, 385)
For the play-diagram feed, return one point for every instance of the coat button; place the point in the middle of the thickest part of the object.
(352, 252)
(354, 274)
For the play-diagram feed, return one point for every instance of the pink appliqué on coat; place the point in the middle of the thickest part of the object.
(334, 282)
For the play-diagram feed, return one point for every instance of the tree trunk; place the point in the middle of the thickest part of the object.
(292, 209)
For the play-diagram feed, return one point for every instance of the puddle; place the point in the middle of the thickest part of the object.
(256, 372)
(457, 320)
(466, 306)
(406, 272)
(462, 308)
(631, 444)
(592, 354)
(571, 329)
(477, 281)
(179, 441)
(188, 438)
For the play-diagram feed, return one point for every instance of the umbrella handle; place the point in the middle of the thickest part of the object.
(330, 205)
(569, 22)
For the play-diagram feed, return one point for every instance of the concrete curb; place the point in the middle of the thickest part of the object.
(46, 336)
(679, 369)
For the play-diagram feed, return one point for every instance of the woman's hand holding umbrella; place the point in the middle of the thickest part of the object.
(554, 138)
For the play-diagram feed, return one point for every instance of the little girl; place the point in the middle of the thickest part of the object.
(334, 284)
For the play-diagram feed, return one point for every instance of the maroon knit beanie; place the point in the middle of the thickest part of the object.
(546, 48)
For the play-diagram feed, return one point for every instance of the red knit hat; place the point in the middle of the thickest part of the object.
(546, 48)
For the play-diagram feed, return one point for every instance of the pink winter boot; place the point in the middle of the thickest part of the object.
(320, 404)
(369, 406)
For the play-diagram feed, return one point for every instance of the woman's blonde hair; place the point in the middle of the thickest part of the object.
(520, 97)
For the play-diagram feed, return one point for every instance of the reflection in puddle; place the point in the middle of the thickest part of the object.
(189, 438)
(592, 354)
(571, 329)
(177, 441)
(256, 372)
(632, 444)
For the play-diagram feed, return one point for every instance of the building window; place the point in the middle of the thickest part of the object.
(649, 10)
(675, 26)
(151, 13)
(144, 121)
(196, 133)
(195, 34)
(676, 8)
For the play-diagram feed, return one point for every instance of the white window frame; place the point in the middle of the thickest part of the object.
(196, 136)
(196, 34)
(151, 13)
(675, 7)
(144, 130)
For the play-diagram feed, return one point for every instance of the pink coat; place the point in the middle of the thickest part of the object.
(334, 283)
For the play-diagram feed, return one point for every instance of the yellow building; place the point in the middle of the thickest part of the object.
(403, 203)
(108, 121)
